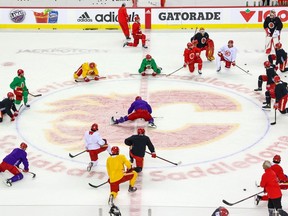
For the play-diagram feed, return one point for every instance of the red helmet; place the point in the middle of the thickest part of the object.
(148, 57)
(278, 45)
(141, 131)
(23, 146)
(92, 65)
(221, 211)
(138, 98)
(276, 159)
(231, 41)
(94, 127)
(10, 95)
(189, 45)
(267, 64)
(20, 71)
(115, 150)
(276, 79)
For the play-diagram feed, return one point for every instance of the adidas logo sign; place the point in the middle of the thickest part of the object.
(84, 18)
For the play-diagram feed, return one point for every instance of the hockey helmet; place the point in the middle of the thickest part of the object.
(148, 57)
(94, 127)
(272, 12)
(20, 71)
(220, 211)
(231, 42)
(115, 150)
(23, 146)
(276, 159)
(276, 79)
(137, 18)
(266, 164)
(114, 211)
(10, 95)
(138, 98)
(278, 45)
(92, 65)
(141, 131)
(267, 64)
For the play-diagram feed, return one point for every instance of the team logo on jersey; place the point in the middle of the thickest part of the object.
(271, 25)
(203, 40)
(17, 15)
(84, 18)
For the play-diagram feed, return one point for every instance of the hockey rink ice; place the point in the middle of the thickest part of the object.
(213, 123)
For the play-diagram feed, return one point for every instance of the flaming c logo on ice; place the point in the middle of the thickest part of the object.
(75, 115)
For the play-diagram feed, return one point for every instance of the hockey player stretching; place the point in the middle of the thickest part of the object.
(270, 74)
(149, 63)
(227, 53)
(6, 106)
(280, 57)
(20, 89)
(85, 70)
(281, 96)
(192, 57)
(138, 145)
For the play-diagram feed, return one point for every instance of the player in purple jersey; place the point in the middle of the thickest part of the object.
(12, 161)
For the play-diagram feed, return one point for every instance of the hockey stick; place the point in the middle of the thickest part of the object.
(33, 174)
(243, 70)
(91, 79)
(175, 71)
(37, 95)
(273, 123)
(176, 164)
(96, 186)
(72, 156)
(231, 204)
(146, 74)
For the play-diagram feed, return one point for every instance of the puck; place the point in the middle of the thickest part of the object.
(244, 189)
(245, 64)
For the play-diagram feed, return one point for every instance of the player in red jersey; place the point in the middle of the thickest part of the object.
(123, 20)
(192, 57)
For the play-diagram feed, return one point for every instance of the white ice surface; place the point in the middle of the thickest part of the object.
(228, 157)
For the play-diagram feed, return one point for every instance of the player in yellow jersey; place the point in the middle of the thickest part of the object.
(87, 70)
(116, 165)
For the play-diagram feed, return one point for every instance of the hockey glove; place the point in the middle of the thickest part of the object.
(275, 106)
(153, 155)
(276, 33)
(267, 30)
(233, 63)
(185, 65)
(26, 170)
(13, 118)
(86, 79)
(16, 113)
(220, 54)
(96, 78)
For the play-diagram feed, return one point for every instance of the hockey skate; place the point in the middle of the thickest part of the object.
(132, 189)
(199, 72)
(114, 211)
(258, 89)
(210, 58)
(257, 199)
(128, 38)
(152, 125)
(125, 44)
(113, 121)
(89, 167)
(8, 182)
(267, 106)
(110, 201)
(144, 46)
(219, 69)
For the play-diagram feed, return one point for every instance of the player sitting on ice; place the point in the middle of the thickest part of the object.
(137, 34)
(280, 57)
(12, 161)
(273, 26)
(204, 43)
(94, 144)
(221, 211)
(281, 95)
(192, 57)
(226, 53)
(85, 70)
(149, 63)
(20, 89)
(137, 144)
(138, 109)
(119, 170)
(270, 74)
(6, 106)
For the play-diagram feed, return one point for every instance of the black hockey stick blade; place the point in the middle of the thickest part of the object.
(227, 203)
(96, 186)
(176, 164)
(231, 204)
(273, 123)
(175, 71)
(33, 174)
(72, 156)
(37, 95)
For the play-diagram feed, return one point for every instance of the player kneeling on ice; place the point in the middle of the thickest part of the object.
(137, 34)
(12, 161)
(272, 26)
(282, 178)
(192, 57)
(269, 182)
(149, 63)
(138, 145)
(280, 57)
(204, 43)
(119, 170)
(7, 105)
(94, 144)
(138, 109)
(226, 53)
(221, 211)
(87, 70)
(281, 95)
(270, 74)
(20, 89)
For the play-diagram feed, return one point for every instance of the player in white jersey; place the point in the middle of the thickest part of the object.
(227, 53)
(94, 144)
